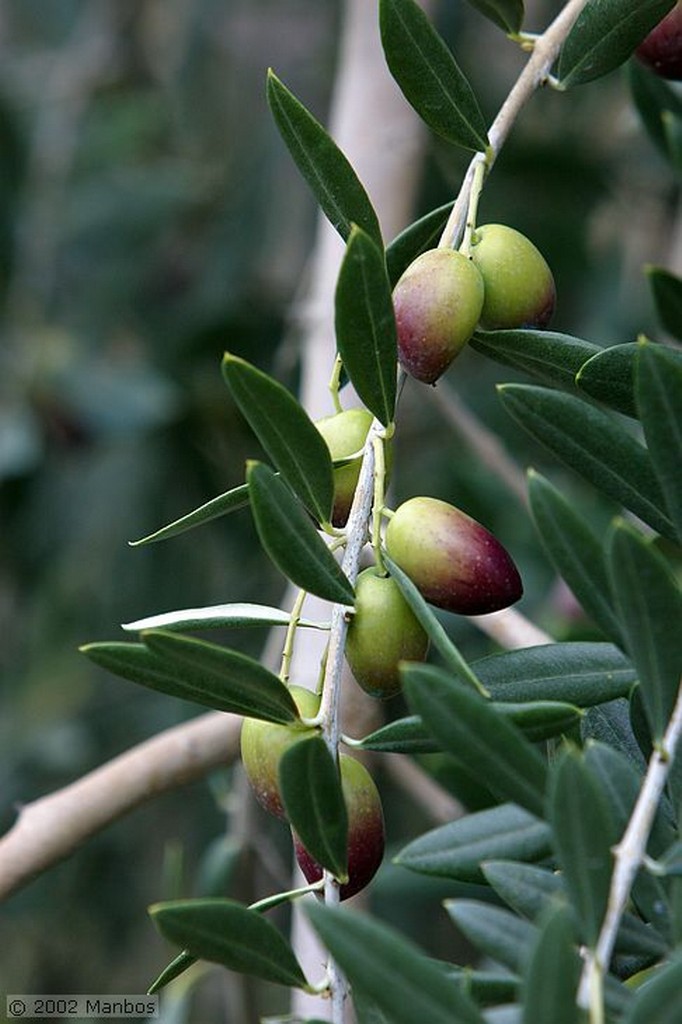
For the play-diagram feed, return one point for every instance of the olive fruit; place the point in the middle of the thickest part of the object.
(661, 50)
(519, 286)
(454, 562)
(383, 632)
(437, 304)
(262, 746)
(366, 833)
(345, 433)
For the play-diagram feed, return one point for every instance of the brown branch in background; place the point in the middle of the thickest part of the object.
(483, 442)
(53, 827)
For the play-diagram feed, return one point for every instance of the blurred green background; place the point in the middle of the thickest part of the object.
(150, 218)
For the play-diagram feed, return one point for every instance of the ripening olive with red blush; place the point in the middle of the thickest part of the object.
(661, 50)
(366, 831)
(437, 304)
(455, 563)
(264, 743)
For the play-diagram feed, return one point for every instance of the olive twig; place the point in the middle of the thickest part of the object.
(379, 492)
(335, 383)
(474, 196)
(290, 637)
(629, 856)
(536, 72)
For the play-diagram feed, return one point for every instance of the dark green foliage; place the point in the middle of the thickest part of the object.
(605, 34)
(427, 73)
(365, 325)
(312, 797)
(291, 540)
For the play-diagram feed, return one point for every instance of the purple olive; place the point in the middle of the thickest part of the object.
(437, 304)
(454, 562)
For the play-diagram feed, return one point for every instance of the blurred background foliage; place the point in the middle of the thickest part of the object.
(149, 219)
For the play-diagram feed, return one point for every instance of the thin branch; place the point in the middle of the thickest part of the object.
(535, 74)
(510, 629)
(630, 854)
(53, 827)
(483, 441)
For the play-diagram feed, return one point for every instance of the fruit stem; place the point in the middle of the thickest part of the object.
(335, 384)
(474, 196)
(379, 490)
(288, 649)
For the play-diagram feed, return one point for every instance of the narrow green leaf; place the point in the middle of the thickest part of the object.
(609, 377)
(228, 933)
(649, 602)
(178, 965)
(659, 400)
(507, 14)
(286, 432)
(621, 781)
(219, 615)
(575, 551)
(230, 501)
(604, 35)
(390, 970)
(539, 720)
(291, 540)
(312, 797)
(553, 972)
(654, 98)
(525, 888)
(415, 239)
(487, 988)
(666, 289)
(593, 444)
(584, 833)
(403, 736)
(464, 722)
(230, 681)
(579, 672)
(611, 724)
(457, 850)
(502, 936)
(365, 325)
(659, 1001)
(333, 181)
(672, 129)
(428, 619)
(671, 861)
(551, 358)
(428, 75)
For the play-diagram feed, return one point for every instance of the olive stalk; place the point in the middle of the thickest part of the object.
(535, 73)
(630, 855)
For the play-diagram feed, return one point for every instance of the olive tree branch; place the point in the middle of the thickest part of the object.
(630, 854)
(49, 829)
(535, 73)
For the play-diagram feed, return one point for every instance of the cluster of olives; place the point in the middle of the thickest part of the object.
(262, 747)
(505, 282)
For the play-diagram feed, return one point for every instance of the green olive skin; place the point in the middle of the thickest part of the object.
(345, 433)
(262, 746)
(383, 632)
(454, 562)
(519, 286)
(366, 830)
(437, 304)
